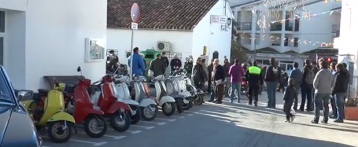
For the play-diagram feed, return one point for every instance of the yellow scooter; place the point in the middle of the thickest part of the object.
(47, 110)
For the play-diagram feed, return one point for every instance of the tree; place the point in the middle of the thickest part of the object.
(237, 51)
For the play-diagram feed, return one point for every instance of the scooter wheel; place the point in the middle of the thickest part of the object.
(100, 126)
(179, 104)
(136, 118)
(167, 111)
(188, 106)
(145, 115)
(56, 132)
(120, 121)
(199, 100)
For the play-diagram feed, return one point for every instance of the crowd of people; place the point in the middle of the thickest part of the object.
(319, 85)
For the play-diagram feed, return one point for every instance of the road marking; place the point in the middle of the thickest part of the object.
(134, 132)
(46, 146)
(166, 119)
(182, 117)
(157, 123)
(115, 137)
(83, 141)
(145, 127)
(190, 114)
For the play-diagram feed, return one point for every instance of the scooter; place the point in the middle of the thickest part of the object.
(47, 110)
(118, 112)
(148, 106)
(177, 89)
(82, 109)
(122, 93)
(167, 103)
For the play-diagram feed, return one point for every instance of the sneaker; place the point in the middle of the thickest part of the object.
(255, 104)
(292, 118)
(338, 121)
(324, 122)
(314, 122)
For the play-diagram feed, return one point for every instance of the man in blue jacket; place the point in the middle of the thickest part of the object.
(138, 63)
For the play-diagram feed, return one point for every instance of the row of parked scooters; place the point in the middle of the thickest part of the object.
(115, 99)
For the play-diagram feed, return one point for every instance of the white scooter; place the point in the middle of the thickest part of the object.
(148, 106)
(176, 87)
(167, 103)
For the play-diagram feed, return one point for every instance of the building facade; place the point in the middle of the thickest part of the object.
(41, 38)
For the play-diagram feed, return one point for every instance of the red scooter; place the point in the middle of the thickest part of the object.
(119, 113)
(82, 109)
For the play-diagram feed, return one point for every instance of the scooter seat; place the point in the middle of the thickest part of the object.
(43, 91)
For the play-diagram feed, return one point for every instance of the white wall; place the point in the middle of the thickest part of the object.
(120, 39)
(214, 39)
(53, 42)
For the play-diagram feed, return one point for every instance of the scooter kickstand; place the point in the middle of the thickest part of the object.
(75, 129)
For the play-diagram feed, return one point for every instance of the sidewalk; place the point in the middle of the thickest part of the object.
(270, 130)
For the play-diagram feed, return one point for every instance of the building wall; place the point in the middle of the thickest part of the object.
(48, 38)
(120, 39)
(210, 35)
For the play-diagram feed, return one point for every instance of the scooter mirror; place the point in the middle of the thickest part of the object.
(21, 94)
(79, 69)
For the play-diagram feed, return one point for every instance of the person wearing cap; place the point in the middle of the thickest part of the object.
(175, 64)
(112, 61)
(138, 63)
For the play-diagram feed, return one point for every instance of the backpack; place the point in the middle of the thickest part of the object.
(310, 76)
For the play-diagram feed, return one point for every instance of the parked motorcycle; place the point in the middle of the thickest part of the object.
(82, 109)
(120, 89)
(119, 113)
(47, 111)
(148, 105)
(177, 88)
(167, 103)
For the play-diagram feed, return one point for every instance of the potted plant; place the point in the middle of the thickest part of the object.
(351, 109)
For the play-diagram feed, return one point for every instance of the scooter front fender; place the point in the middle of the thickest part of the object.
(61, 116)
(118, 106)
(166, 99)
(27, 104)
(130, 102)
(146, 102)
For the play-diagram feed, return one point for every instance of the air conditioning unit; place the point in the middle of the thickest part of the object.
(163, 46)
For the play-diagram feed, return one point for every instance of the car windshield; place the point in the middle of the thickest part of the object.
(4, 86)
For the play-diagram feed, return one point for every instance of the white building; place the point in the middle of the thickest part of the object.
(348, 51)
(47, 37)
(313, 28)
(183, 28)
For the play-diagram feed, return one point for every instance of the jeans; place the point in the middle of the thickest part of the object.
(212, 93)
(334, 105)
(339, 98)
(321, 98)
(306, 95)
(235, 87)
(271, 94)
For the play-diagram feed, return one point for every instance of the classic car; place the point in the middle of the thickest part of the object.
(16, 126)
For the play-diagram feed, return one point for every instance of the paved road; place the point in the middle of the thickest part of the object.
(226, 125)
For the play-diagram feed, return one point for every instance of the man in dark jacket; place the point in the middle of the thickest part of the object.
(308, 76)
(272, 77)
(255, 78)
(340, 90)
(210, 70)
(112, 60)
(175, 64)
(198, 74)
(165, 59)
(188, 66)
(226, 68)
(157, 66)
(296, 75)
(218, 76)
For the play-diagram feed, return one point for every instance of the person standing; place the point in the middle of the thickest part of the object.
(308, 76)
(340, 90)
(272, 77)
(332, 67)
(323, 83)
(289, 96)
(236, 73)
(188, 66)
(296, 75)
(210, 85)
(164, 58)
(157, 66)
(198, 74)
(175, 64)
(218, 78)
(138, 63)
(255, 78)
(112, 61)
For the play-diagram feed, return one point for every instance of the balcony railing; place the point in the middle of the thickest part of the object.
(246, 26)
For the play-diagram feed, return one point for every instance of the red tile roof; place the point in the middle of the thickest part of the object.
(159, 14)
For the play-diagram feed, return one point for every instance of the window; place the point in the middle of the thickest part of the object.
(285, 41)
(295, 42)
(2, 21)
(4, 86)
